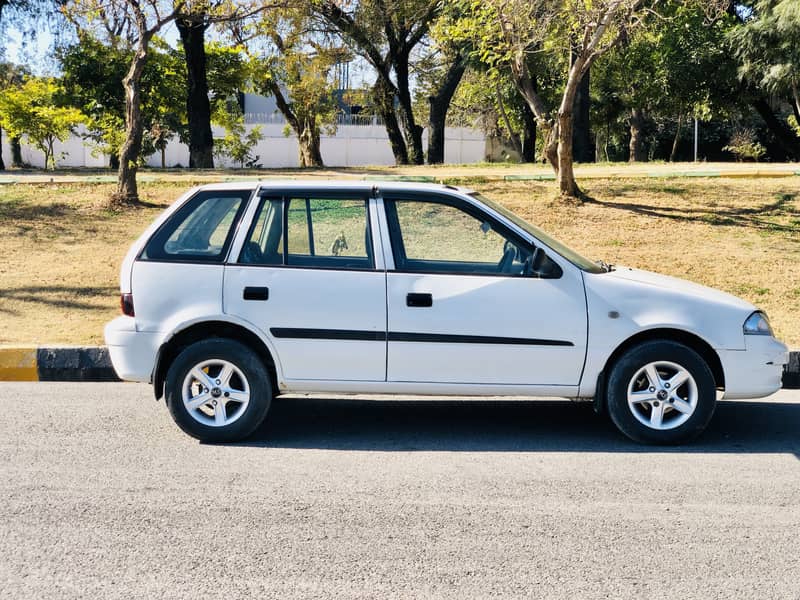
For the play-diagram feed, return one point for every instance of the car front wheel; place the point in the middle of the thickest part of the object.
(217, 390)
(661, 392)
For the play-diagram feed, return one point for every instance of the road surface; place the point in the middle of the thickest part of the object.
(101, 496)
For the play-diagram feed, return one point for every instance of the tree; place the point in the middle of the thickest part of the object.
(30, 110)
(237, 144)
(767, 45)
(508, 32)
(441, 74)
(385, 34)
(294, 66)
(144, 19)
(12, 75)
(92, 74)
(198, 107)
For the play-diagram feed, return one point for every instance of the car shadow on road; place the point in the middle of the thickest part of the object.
(506, 426)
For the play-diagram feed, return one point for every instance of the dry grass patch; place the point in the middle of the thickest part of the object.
(59, 278)
(62, 250)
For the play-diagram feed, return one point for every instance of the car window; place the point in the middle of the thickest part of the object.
(430, 236)
(200, 231)
(264, 245)
(320, 233)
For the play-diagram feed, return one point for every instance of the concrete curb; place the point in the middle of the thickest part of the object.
(93, 363)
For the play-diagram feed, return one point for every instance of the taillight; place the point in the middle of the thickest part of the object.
(126, 304)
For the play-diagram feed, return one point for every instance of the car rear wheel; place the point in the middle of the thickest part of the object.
(217, 390)
(661, 392)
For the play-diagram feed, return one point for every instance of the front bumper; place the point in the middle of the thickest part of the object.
(133, 353)
(756, 371)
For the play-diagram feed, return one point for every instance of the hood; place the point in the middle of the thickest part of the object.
(680, 286)
(643, 300)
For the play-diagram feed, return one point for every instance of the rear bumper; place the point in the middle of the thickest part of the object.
(756, 371)
(133, 353)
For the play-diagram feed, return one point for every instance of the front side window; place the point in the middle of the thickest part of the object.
(310, 232)
(200, 231)
(436, 237)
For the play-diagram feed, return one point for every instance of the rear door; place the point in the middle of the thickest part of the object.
(307, 276)
(465, 307)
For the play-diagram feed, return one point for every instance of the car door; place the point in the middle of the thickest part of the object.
(464, 303)
(307, 276)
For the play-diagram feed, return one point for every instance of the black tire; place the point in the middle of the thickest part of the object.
(629, 365)
(257, 378)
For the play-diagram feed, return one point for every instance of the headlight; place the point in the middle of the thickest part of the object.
(757, 324)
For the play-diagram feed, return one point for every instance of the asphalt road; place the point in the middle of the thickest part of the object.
(101, 496)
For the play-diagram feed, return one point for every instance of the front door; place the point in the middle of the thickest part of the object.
(470, 302)
(307, 277)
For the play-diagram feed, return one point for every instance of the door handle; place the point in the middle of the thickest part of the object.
(256, 293)
(419, 300)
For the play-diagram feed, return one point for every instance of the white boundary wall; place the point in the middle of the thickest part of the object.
(351, 146)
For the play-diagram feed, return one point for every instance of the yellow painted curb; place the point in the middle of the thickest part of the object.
(18, 364)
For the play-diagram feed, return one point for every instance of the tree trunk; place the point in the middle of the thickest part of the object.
(16, 152)
(566, 176)
(2, 164)
(198, 106)
(163, 157)
(413, 132)
(113, 161)
(582, 147)
(549, 127)
(674, 153)
(308, 141)
(528, 135)
(439, 105)
(637, 149)
(127, 189)
(512, 135)
(787, 139)
(564, 130)
(383, 94)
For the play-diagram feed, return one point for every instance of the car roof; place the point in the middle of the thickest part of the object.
(327, 184)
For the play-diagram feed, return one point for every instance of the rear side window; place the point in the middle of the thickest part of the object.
(323, 233)
(200, 231)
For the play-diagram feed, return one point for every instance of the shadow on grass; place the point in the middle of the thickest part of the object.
(507, 426)
(59, 296)
(739, 217)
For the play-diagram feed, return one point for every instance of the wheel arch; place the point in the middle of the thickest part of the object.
(172, 347)
(691, 340)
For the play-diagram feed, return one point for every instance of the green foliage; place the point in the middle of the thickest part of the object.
(299, 63)
(237, 144)
(745, 146)
(768, 46)
(31, 111)
(92, 81)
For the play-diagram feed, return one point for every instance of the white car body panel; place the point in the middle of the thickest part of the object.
(595, 312)
(545, 311)
(318, 299)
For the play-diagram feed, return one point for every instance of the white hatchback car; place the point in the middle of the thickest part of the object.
(242, 291)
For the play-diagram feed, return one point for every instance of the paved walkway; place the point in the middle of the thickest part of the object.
(446, 173)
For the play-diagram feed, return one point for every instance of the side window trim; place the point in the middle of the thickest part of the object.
(396, 238)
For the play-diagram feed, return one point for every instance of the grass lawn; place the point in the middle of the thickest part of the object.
(62, 250)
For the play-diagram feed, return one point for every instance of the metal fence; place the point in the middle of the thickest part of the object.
(255, 118)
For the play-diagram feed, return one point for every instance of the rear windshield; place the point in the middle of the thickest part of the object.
(200, 231)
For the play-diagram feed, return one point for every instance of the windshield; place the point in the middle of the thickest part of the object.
(576, 259)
